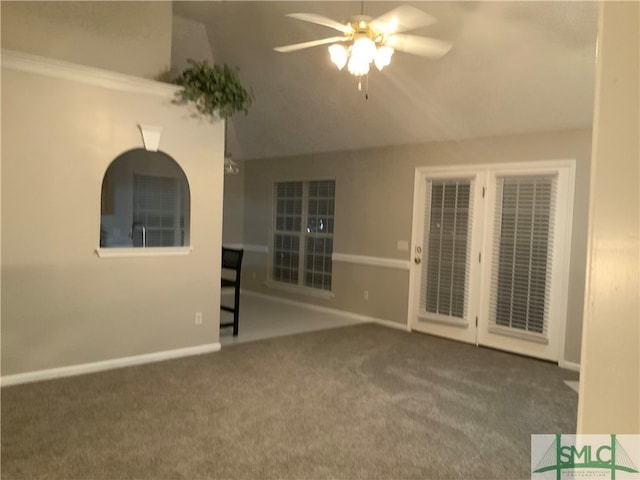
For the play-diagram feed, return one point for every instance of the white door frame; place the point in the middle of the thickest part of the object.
(561, 263)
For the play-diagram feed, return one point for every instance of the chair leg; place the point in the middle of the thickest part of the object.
(236, 308)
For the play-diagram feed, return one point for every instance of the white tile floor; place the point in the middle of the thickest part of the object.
(264, 318)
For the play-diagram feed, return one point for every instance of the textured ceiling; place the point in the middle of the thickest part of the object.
(514, 67)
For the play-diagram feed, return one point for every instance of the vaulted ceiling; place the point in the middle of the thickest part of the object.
(514, 67)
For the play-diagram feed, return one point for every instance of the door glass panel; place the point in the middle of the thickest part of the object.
(447, 242)
(523, 240)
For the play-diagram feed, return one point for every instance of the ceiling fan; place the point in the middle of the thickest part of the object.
(366, 40)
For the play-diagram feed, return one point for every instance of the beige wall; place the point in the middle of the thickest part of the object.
(233, 218)
(189, 40)
(61, 304)
(610, 380)
(374, 202)
(127, 37)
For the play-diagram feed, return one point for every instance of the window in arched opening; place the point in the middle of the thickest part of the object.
(145, 202)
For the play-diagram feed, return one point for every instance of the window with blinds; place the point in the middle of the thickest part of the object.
(521, 270)
(319, 234)
(157, 211)
(447, 243)
(303, 233)
(286, 242)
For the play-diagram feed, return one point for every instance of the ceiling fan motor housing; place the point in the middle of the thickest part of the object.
(362, 29)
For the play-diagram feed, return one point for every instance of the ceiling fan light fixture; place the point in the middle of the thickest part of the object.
(365, 40)
(364, 49)
(339, 55)
(362, 53)
(383, 57)
(358, 66)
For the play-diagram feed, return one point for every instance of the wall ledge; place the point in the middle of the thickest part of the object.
(338, 257)
(373, 261)
(247, 247)
(123, 252)
(73, 370)
(50, 67)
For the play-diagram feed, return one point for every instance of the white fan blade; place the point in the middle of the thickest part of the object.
(402, 19)
(320, 20)
(312, 43)
(423, 46)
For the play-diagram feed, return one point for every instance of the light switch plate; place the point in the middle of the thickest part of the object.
(403, 245)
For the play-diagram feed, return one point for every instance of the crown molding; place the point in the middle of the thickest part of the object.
(50, 67)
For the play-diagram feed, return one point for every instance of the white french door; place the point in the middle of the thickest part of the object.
(447, 236)
(490, 255)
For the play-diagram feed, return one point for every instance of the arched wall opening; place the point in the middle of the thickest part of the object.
(145, 202)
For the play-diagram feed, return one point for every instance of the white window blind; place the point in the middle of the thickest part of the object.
(303, 233)
(157, 208)
(521, 268)
(447, 242)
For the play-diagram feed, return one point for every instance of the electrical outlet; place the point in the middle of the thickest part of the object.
(198, 318)
(366, 294)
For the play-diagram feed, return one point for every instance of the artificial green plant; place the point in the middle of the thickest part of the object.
(213, 89)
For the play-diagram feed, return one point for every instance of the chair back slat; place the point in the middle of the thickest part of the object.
(232, 258)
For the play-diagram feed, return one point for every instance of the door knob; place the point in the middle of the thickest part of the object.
(418, 260)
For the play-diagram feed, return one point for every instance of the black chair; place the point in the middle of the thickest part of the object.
(232, 260)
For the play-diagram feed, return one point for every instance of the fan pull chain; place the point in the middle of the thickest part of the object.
(366, 87)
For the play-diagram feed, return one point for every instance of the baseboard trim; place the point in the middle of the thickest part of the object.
(81, 369)
(569, 365)
(334, 311)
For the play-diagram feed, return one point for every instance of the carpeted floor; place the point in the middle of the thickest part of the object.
(361, 402)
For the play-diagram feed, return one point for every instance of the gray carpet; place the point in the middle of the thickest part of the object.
(348, 403)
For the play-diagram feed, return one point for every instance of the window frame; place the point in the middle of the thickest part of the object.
(299, 287)
(178, 211)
